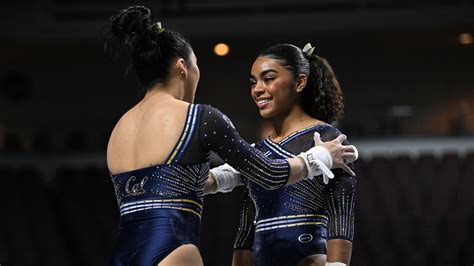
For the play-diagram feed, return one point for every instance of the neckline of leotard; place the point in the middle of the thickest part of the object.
(295, 134)
(188, 113)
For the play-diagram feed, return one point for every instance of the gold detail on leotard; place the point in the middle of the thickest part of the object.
(292, 217)
(289, 225)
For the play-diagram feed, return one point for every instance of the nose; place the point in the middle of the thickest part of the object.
(258, 89)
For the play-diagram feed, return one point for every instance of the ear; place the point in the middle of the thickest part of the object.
(300, 82)
(181, 66)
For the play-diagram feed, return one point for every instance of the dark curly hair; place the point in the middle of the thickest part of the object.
(147, 47)
(322, 97)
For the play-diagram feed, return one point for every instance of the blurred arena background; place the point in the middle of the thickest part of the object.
(406, 69)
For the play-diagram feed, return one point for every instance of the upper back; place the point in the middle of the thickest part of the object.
(146, 134)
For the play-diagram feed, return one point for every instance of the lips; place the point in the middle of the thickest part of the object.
(261, 103)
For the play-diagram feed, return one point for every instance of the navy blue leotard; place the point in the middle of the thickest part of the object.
(161, 206)
(283, 226)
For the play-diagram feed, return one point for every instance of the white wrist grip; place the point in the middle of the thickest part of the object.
(226, 177)
(318, 161)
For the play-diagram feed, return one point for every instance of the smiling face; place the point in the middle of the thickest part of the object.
(273, 88)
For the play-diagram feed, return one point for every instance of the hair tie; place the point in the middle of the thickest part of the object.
(308, 49)
(158, 26)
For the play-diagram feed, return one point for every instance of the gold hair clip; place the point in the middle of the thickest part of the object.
(158, 26)
(308, 49)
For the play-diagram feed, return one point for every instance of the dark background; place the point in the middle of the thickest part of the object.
(408, 83)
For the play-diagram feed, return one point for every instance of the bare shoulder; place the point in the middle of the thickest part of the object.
(166, 114)
(121, 128)
(170, 107)
(124, 121)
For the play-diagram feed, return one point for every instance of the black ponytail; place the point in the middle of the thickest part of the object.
(322, 98)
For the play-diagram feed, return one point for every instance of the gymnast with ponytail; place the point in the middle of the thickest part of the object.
(310, 222)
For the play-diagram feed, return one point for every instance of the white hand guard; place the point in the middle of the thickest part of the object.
(335, 264)
(226, 177)
(318, 161)
(356, 155)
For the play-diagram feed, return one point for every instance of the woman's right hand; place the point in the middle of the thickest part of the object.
(326, 155)
(341, 154)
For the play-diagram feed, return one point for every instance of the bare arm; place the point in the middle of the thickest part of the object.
(339, 250)
(242, 257)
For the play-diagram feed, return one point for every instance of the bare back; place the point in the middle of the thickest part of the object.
(146, 134)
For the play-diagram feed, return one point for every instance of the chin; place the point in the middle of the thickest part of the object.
(266, 114)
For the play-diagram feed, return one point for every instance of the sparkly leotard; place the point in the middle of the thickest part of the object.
(161, 206)
(283, 226)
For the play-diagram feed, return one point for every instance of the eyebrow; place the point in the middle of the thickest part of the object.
(266, 71)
